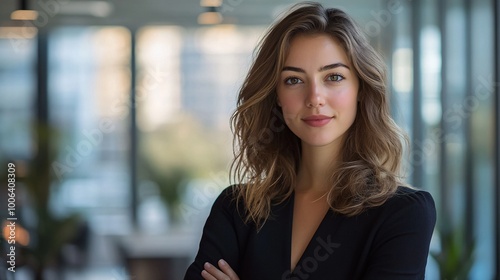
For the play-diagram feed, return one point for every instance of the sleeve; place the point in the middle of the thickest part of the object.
(219, 238)
(402, 244)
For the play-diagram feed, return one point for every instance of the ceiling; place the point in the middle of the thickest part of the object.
(136, 13)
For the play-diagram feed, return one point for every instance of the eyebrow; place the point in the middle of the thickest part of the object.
(323, 68)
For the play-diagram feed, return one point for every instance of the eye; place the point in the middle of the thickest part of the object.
(292, 81)
(335, 78)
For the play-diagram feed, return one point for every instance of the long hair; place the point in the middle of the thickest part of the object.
(267, 154)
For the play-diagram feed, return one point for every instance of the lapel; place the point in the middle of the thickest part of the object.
(321, 245)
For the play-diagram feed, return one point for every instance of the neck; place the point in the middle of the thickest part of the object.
(317, 163)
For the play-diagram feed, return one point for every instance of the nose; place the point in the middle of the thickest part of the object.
(316, 96)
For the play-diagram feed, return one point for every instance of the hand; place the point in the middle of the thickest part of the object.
(212, 273)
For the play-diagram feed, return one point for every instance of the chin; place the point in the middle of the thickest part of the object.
(321, 142)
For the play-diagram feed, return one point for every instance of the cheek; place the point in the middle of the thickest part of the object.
(289, 103)
(288, 114)
(289, 110)
(346, 101)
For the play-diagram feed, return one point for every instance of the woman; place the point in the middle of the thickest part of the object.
(318, 156)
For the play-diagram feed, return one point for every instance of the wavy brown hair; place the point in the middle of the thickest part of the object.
(267, 153)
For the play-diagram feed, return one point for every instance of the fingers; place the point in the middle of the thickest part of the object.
(207, 276)
(213, 273)
(228, 270)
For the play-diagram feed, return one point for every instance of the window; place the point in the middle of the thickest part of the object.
(89, 89)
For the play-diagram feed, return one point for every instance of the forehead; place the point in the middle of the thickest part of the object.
(318, 48)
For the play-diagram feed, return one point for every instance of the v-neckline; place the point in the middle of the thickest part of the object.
(313, 237)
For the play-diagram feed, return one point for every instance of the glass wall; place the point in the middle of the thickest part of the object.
(17, 92)
(479, 106)
(89, 87)
(447, 99)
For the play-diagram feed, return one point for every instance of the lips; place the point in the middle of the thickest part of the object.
(317, 120)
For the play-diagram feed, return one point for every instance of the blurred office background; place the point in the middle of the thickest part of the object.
(116, 116)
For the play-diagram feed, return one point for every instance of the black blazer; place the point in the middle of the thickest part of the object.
(386, 242)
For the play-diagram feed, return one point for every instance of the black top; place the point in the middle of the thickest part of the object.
(386, 242)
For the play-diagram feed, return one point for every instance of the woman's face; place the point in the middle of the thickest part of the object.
(318, 90)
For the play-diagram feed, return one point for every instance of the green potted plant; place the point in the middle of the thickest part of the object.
(170, 182)
(456, 257)
(49, 233)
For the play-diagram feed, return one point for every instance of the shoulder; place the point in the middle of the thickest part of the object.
(399, 233)
(412, 205)
(411, 197)
(227, 197)
(226, 210)
(227, 201)
(228, 193)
